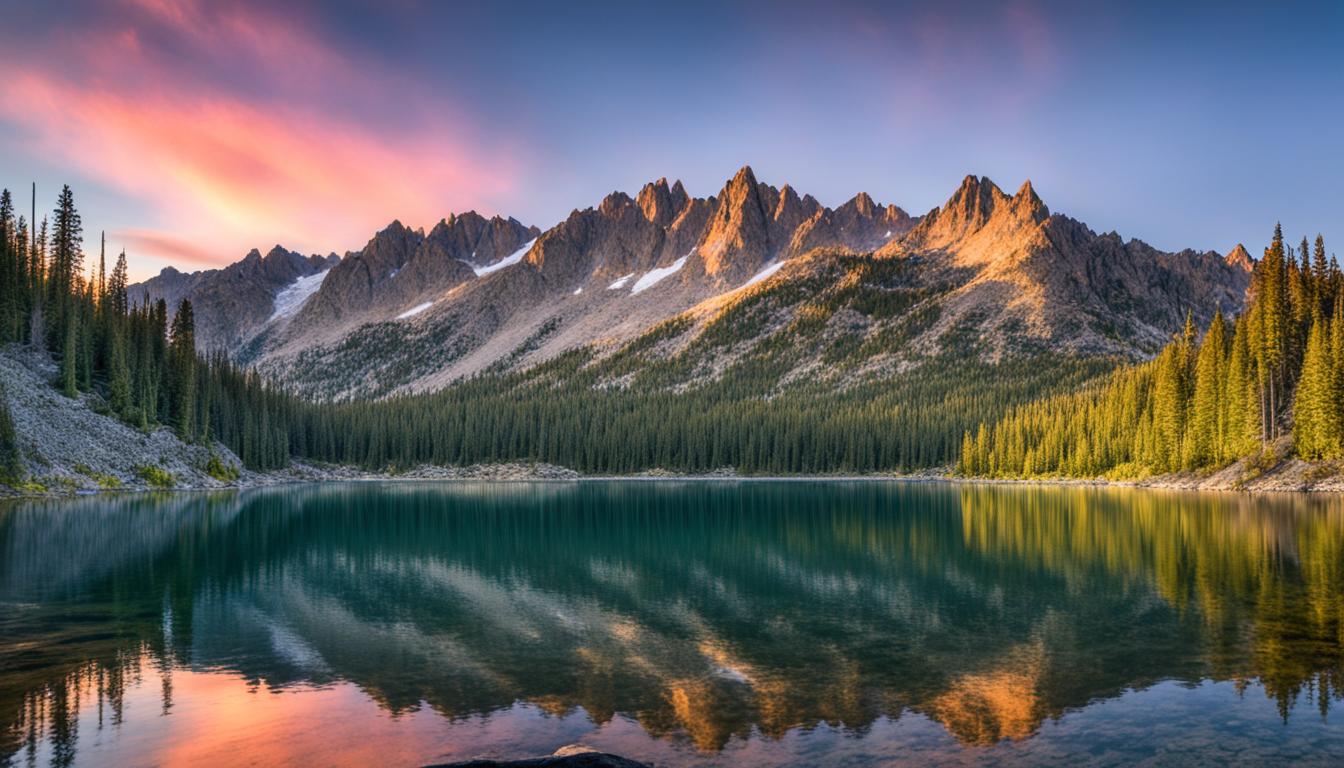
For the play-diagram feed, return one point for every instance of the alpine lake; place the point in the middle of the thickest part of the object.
(681, 623)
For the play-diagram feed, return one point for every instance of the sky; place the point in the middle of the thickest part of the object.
(192, 132)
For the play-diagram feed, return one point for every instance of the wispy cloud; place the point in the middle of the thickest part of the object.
(238, 127)
(185, 253)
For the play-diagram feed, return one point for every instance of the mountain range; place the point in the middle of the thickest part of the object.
(698, 285)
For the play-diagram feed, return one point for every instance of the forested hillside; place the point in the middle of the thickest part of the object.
(831, 362)
(1276, 369)
(144, 370)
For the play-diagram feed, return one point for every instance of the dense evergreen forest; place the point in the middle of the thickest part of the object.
(1276, 370)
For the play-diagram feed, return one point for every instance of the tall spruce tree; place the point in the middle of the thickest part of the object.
(1208, 414)
(67, 257)
(181, 371)
(1316, 427)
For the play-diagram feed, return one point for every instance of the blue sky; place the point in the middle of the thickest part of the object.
(194, 131)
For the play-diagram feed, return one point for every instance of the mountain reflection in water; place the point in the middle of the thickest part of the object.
(671, 621)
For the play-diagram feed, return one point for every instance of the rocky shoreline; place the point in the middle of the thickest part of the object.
(72, 446)
(1288, 480)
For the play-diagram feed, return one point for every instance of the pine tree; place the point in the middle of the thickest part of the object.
(1320, 275)
(116, 288)
(1169, 408)
(67, 258)
(1208, 415)
(11, 283)
(182, 371)
(1316, 427)
(1269, 325)
(1241, 416)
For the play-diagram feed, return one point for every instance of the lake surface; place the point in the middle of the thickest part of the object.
(683, 623)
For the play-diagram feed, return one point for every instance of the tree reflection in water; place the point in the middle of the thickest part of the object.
(704, 612)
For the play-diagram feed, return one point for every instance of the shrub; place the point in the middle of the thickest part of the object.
(224, 473)
(1318, 472)
(103, 480)
(157, 477)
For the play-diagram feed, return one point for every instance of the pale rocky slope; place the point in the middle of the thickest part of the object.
(67, 444)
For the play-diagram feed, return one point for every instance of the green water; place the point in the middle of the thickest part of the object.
(684, 623)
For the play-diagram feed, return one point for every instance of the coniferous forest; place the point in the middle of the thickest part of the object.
(1207, 399)
(1243, 387)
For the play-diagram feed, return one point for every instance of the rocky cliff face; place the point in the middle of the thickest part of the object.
(399, 268)
(723, 239)
(232, 303)
(1026, 277)
(986, 273)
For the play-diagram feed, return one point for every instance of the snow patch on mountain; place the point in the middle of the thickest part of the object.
(507, 261)
(656, 274)
(413, 311)
(620, 282)
(769, 270)
(291, 299)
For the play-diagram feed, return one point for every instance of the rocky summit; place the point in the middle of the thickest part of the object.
(987, 271)
(232, 304)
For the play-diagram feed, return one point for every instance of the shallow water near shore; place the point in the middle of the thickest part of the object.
(681, 623)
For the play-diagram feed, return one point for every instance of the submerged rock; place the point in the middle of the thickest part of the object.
(572, 756)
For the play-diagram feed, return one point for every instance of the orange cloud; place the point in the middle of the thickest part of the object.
(219, 167)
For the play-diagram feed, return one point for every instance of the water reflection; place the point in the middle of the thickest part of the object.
(702, 616)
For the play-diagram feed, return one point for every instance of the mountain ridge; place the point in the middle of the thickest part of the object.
(1000, 267)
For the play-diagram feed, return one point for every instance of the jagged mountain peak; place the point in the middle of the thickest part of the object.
(973, 206)
(895, 214)
(790, 207)
(1240, 257)
(1005, 266)
(613, 202)
(976, 198)
(745, 177)
(443, 227)
(861, 204)
(661, 204)
(1027, 203)
(740, 227)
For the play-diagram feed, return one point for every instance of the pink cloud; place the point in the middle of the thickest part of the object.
(224, 168)
(185, 254)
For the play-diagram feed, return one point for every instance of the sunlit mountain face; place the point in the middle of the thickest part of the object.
(671, 622)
